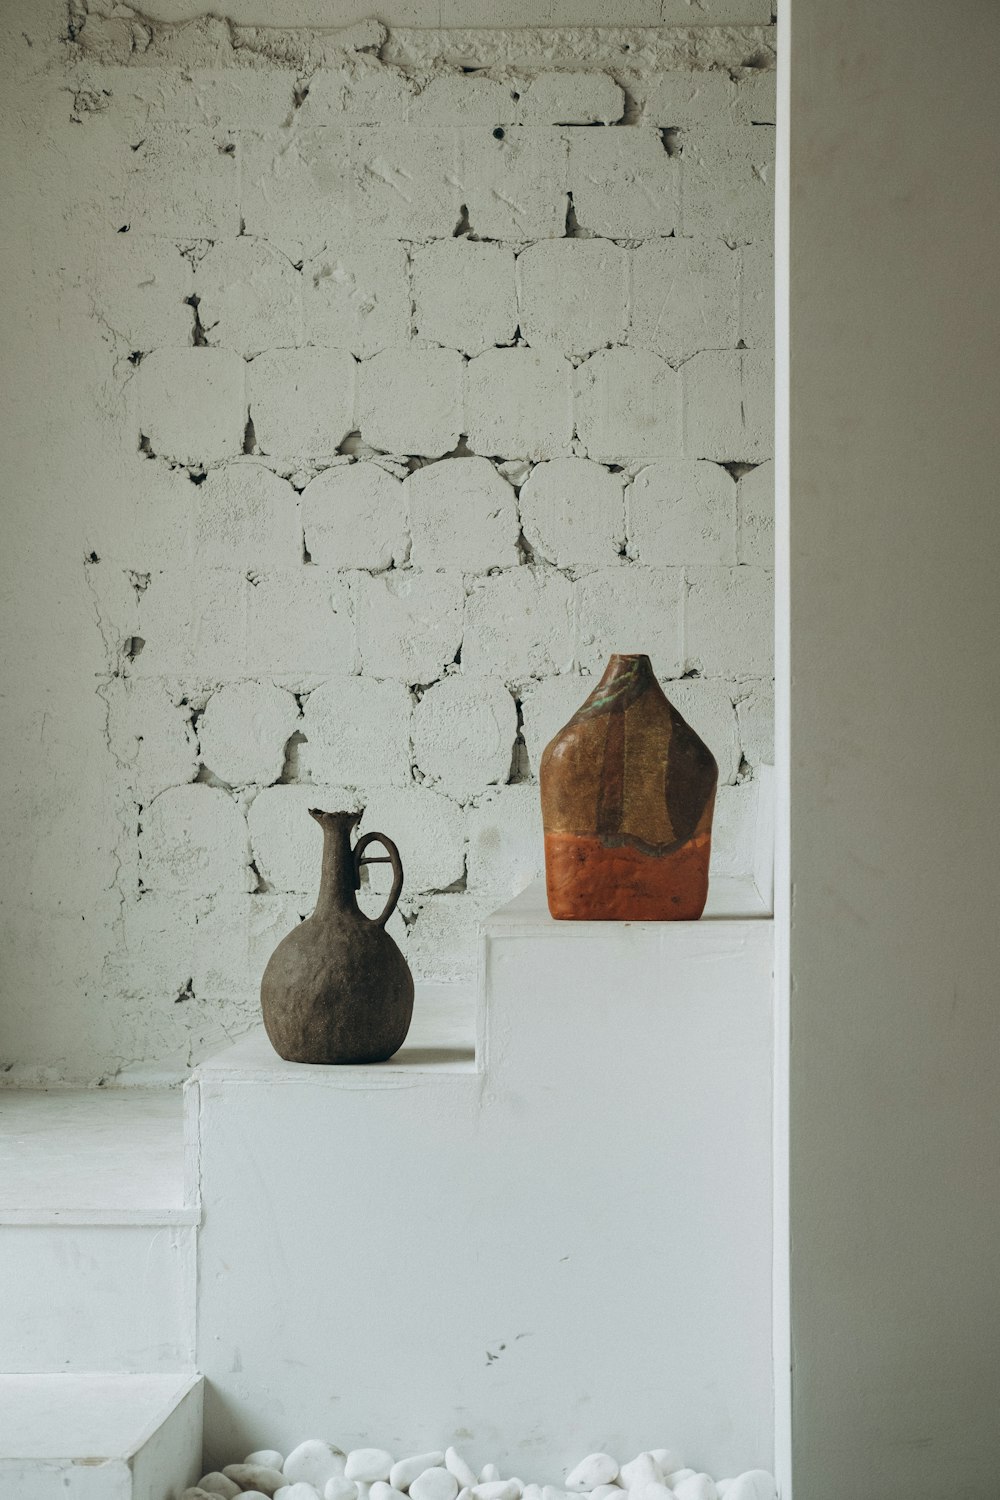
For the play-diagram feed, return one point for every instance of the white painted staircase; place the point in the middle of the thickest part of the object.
(543, 1228)
(99, 1398)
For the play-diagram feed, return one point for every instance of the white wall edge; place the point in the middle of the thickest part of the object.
(781, 1282)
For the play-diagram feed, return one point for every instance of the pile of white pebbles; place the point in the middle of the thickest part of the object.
(318, 1471)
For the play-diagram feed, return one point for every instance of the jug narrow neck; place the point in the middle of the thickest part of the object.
(338, 876)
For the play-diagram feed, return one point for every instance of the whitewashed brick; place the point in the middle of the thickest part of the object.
(463, 294)
(354, 516)
(218, 100)
(410, 401)
(728, 183)
(573, 512)
(442, 946)
(243, 732)
(730, 622)
(244, 516)
(192, 403)
(463, 514)
(757, 295)
(755, 516)
(301, 401)
(572, 98)
(249, 296)
(297, 186)
(547, 706)
(733, 830)
(362, 90)
(624, 185)
(463, 734)
(755, 716)
(233, 941)
(150, 736)
(409, 623)
(518, 403)
(194, 839)
(676, 100)
(427, 828)
(514, 187)
(682, 511)
(628, 406)
(300, 622)
(519, 625)
(357, 733)
(179, 181)
(406, 181)
(505, 841)
(464, 99)
(756, 96)
(707, 705)
(685, 297)
(192, 623)
(729, 406)
(287, 843)
(140, 288)
(631, 609)
(356, 295)
(156, 954)
(571, 294)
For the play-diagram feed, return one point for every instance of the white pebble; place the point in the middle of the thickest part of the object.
(197, 1493)
(642, 1470)
(434, 1483)
(382, 1491)
(217, 1483)
(255, 1477)
(406, 1470)
(755, 1484)
(532, 1492)
(370, 1465)
(603, 1491)
(697, 1487)
(668, 1459)
(268, 1458)
(339, 1488)
(498, 1489)
(489, 1474)
(652, 1491)
(723, 1486)
(313, 1462)
(455, 1464)
(257, 1494)
(553, 1492)
(300, 1490)
(678, 1476)
(595, 1469)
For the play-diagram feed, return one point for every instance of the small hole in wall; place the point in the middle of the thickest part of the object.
(499, 133)
(124, 228)
(133, 647)
(135, 358)
(92, 557)
(670, 138)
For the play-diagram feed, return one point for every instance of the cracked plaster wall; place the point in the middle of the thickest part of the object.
(375, 384)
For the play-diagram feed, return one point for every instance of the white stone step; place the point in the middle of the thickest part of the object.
(97, 1232)
(99, 1437)
(470, 1237)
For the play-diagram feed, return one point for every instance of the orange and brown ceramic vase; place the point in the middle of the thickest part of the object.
(628, 793)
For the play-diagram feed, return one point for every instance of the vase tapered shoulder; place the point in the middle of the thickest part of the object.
(628, 795)
(337, 989)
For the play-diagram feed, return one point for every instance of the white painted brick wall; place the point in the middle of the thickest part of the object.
(430, 390)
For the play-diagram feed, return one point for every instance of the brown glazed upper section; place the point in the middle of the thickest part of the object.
(628, 767)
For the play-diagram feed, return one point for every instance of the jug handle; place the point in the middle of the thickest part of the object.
(397, 871)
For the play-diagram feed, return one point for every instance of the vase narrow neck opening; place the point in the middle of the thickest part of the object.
(621, 667)
(338, 879)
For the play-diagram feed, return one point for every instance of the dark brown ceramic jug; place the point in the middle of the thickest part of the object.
(337, 989)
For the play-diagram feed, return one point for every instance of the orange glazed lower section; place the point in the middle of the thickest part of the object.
(588, 882)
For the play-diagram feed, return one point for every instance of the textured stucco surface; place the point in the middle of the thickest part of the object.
(372, 386)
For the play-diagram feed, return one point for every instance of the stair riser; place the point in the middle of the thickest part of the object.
(97, 1297)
